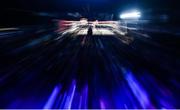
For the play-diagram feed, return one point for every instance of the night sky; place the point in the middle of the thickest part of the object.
(24, 10)
(98, 5)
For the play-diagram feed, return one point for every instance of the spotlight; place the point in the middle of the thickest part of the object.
(131, 15)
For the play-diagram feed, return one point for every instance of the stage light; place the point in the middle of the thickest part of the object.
(131, 15)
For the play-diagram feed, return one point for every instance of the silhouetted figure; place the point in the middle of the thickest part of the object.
(90, 31)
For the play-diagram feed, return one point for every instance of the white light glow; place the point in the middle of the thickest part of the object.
(131, 15)
(83, 21)
(102, 31)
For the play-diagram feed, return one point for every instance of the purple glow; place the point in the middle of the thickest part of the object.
(70, 96)
(138, 91)
(63, 100)
(80, 102)
(52, 98)
(102, 105)
(84, 97)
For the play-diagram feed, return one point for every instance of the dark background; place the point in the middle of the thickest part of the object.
(19, 12)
